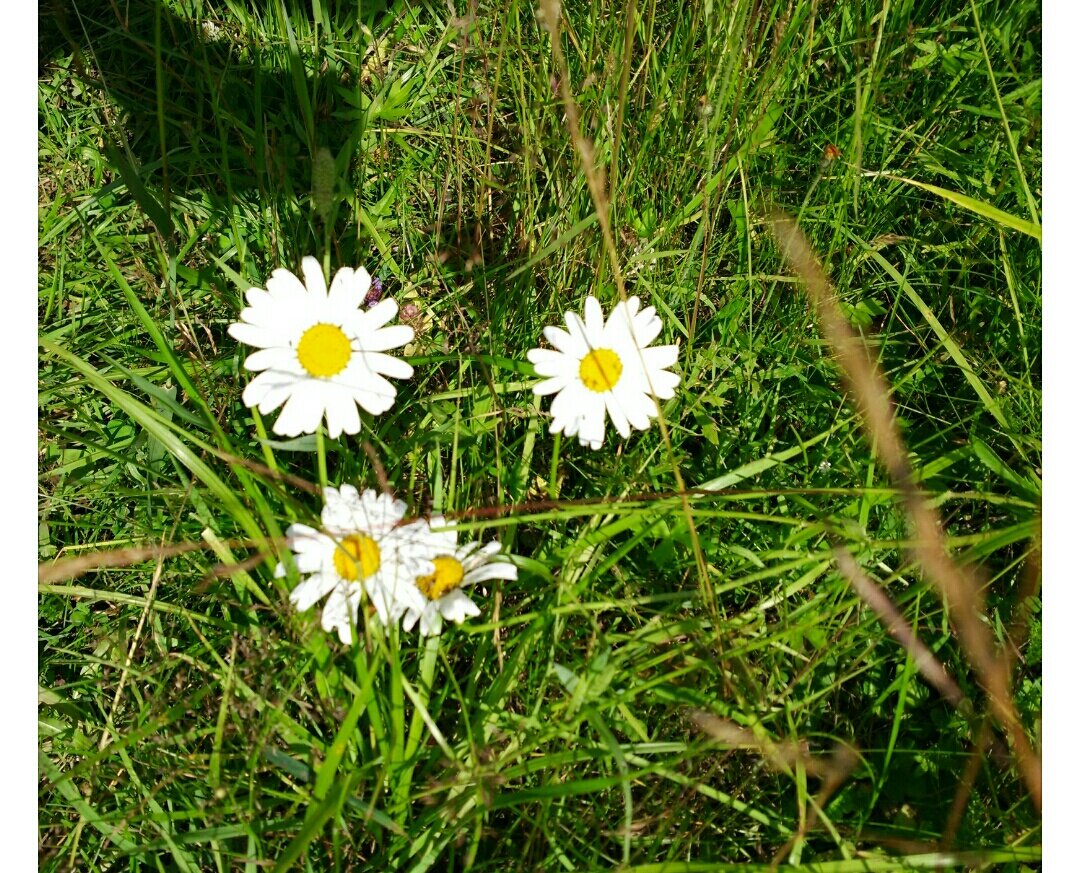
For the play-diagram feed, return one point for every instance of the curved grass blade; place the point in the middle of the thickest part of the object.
(158, 428)
(996, 215)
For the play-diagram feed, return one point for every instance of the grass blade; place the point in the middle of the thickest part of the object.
(998, 216)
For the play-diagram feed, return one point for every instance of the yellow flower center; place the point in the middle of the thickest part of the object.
(600, 370)
(356, 557)
(447, 576)
(324, 350)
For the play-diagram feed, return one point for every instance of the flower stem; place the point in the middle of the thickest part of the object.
(320, 448)
(553, 475)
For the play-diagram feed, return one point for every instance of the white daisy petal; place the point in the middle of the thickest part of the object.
(576, 328)
(376, 395)
(594, 321)
(550, 386)
(491, 570)
(298, 534)
(381, 313)
(546, 361)
(300, 414)
(387, 337)
(647, 326)
(568, 425)
(430, 622)
(342, 415)
(313, 561)
(565, 343)
(443, 534)
(306, 542)
(383, 603)
(616, 414)
(322, 354)
(398, 594)
(603, 369)
(276, 390)
(314, 280)
(570, 402)
(476, 554)
(456, 607)
(636, 406)
(408, 621)
(387, 365)
(275, 358)
(437, 592)
(345, 290)
(348, 495)
(660, 357)
(258, 388)
(256, 317)
(350, 417)
(361, 284)
(256, 297)
(590, 427)
(663, 384)
(361, 552)
(285, 288)
(311, 590)
(341, 611)
(378, 513)
(591, 422)
(251, 334)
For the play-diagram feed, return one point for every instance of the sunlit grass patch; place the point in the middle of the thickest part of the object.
(676, 578)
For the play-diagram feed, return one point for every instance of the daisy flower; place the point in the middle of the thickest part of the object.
(455, 567)
(320, 352)
(358, 551)
(599, 366)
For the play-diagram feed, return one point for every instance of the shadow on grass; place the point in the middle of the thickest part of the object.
(208, 112)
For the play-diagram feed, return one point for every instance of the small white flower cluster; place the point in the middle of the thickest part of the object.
(322, 354)
(409, 572)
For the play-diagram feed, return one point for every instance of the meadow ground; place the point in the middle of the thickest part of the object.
(685, 675)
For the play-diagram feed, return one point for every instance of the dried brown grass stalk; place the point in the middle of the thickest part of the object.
(377, 464)
(61, 571)
(832, 769)
(965, 786)
(1030, 583)
(551, 16)
(1030, 586)
(781, 756)
(928, 666)
(298, 482)
(51, 572)
(957, 586)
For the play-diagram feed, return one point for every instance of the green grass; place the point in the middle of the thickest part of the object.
(177, 154)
